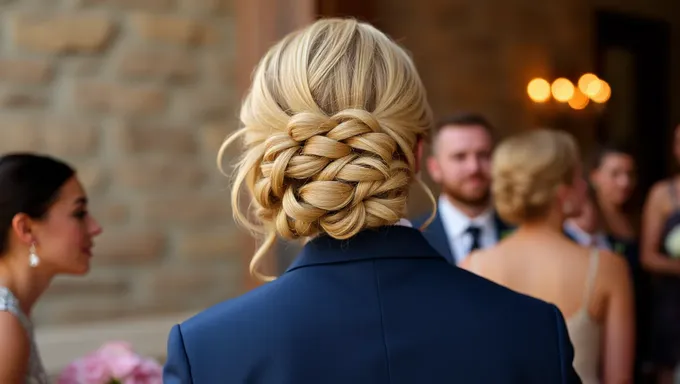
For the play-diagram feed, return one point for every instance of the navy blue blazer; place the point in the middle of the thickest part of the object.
(380, 308)
(436, 234)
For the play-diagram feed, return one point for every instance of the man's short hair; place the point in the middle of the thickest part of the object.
(464, 119)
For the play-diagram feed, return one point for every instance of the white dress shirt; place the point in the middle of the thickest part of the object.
(456, 224)
(597, 239)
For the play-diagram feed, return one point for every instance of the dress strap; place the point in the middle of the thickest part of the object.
(473, 263)
(9, 303)
(672, 190)
(590, 277)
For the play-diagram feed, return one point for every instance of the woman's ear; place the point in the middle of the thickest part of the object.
(22, 228)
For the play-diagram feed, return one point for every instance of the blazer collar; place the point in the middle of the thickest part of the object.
(386, 242)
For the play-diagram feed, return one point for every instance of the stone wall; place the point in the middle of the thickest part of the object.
(138, 95)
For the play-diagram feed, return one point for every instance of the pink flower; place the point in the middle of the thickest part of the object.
(148, 372)
(114, 362)
(120, 358)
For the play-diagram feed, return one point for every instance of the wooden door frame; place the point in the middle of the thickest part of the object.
(259, 24)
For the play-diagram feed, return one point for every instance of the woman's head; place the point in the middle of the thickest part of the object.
(331, 127)
(43, 205)
(535, 174)
(612, 174)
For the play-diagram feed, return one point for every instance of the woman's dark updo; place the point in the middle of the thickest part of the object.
(29, 184)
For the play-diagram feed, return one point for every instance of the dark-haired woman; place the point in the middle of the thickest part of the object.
(45, 230)
(613, 178)
(660, 248)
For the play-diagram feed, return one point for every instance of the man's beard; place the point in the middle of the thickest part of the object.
(479, 201)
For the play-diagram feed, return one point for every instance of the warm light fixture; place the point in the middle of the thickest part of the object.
(589, 87)
(603, 93)
(579, 100)
(562, 89)
(589, 84)
(539, 90)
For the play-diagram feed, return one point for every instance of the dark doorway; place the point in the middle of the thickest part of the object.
(633, 55)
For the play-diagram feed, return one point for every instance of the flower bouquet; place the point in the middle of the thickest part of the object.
(113, 363)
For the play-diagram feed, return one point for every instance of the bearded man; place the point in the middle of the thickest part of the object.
(460, 164)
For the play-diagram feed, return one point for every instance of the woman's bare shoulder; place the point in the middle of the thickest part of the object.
(613, 268)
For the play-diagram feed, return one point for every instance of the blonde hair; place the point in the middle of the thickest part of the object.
(329, 129)
(526, 171)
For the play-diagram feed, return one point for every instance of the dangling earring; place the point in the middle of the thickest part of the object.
(33, 259)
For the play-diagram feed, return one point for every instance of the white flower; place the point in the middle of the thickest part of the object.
(672, 242)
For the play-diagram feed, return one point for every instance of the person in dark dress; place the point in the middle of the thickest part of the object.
(612, 177)
(660, 251)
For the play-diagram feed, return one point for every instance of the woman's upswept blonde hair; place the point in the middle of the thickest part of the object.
(329, 129)
(526, 171)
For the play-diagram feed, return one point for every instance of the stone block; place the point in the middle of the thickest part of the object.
(207, 7)
(21, 98)
(61, 33)
(94, 284)
(93, 176)
(25, 71)
(71, 137)
(159, 174)
(138, 138)
(150, 5)
(175, 30)
(146, 63)
(220, 244)
(191, 209)
(110, 213)
(20, 134)
(120, 99)
(128, 247)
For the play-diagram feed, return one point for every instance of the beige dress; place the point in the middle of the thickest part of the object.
(585, 333)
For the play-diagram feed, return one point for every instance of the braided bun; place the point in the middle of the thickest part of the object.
(527, 170)
(336, 175)
(329, 131)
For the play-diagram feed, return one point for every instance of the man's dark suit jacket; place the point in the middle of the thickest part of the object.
(380, 308)
(435, 233)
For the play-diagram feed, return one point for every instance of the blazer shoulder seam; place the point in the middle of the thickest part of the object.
(560, 341)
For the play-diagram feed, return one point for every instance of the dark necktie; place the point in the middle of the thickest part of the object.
(474, 232)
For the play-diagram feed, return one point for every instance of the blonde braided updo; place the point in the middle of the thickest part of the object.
(527, 170)
(329, 131)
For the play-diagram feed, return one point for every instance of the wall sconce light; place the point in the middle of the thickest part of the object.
(588, 88)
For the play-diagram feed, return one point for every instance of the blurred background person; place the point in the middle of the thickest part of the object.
(537, 185)
(660, 249)
(613, 177)
(460, 166)
(586, 228)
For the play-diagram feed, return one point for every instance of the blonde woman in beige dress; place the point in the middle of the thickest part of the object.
(537, 184)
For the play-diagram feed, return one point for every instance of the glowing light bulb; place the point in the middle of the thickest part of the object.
(539, 90)
(589, 84)
(562, 89)
(603, 94)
